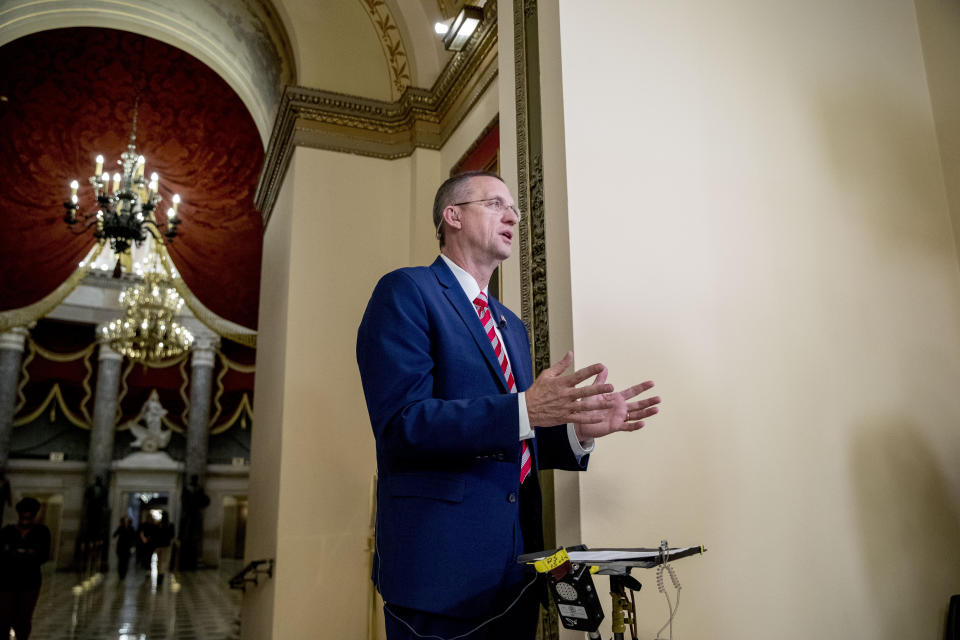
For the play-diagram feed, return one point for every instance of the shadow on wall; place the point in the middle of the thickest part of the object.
(909, 527)
(879, 144)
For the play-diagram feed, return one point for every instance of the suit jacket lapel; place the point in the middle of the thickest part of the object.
(468, 314)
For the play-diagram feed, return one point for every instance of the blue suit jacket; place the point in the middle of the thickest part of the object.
(448, 453)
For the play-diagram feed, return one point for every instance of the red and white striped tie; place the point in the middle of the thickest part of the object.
(486, 319)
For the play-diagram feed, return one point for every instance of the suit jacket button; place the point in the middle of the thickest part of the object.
(512, 497)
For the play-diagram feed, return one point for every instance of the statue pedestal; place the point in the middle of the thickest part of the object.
(143, 461)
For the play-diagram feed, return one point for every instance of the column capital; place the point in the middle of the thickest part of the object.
(106, 351)
(14, 339)
(204, 348)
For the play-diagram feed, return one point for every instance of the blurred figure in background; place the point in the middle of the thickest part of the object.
(126, 537)
(143, 545)
(23, 548)
(5, 500)
(158, 535)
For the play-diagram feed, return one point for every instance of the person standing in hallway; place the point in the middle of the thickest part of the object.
(126, 537)
(161, 537)
(193, 501)
(461, 429)
(24, 547)
(5, 498)
(156, 534)
(143, 550)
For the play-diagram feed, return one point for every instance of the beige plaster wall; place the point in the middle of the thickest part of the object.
(341, 222)
(426, 174)
(758, 220)
(345, 237)
(939, 24)
(337, 47)
(257, 613)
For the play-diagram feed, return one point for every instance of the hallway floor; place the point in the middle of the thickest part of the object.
(197, 605)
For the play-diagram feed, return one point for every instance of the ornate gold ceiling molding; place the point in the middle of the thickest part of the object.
(392, 43)
(422, 118)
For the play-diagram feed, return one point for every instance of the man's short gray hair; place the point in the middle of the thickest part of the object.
(451, 192)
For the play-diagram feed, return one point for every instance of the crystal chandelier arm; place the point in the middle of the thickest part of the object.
(151, 225)
(86, 220)
(82, 230)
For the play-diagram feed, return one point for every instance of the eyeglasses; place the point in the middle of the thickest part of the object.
(496, 205)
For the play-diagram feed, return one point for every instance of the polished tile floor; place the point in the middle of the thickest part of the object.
(196, 605)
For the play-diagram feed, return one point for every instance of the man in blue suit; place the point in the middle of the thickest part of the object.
(461, 428)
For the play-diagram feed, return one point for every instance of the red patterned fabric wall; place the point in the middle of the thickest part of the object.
(67, 95)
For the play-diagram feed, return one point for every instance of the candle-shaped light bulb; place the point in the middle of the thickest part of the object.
(116, 182)
(176, 202)
(74, 199)
(74, 185)
(154, 183)
(171, 214)
(99, 166)
(141, 162)
(105, 179)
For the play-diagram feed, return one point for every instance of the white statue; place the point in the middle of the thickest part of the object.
(153, 437)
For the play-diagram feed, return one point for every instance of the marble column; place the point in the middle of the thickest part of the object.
(204, 352)
(11, 354)
(100, 453)
(193, 499)
(95, 527)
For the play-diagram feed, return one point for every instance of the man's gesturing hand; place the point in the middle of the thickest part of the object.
(620, 415)
(555, 398)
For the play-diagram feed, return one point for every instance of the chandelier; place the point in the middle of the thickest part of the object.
(124, 212)
(147, 330)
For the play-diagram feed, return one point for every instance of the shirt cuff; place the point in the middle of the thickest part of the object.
(525, 431)
(579, 449)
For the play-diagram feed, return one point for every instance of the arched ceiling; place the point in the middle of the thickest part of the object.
(244, 41)
(337, 48)
(68, 94)
(367, 48)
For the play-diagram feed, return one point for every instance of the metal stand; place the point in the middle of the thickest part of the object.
(623, 612)
(569, 572)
